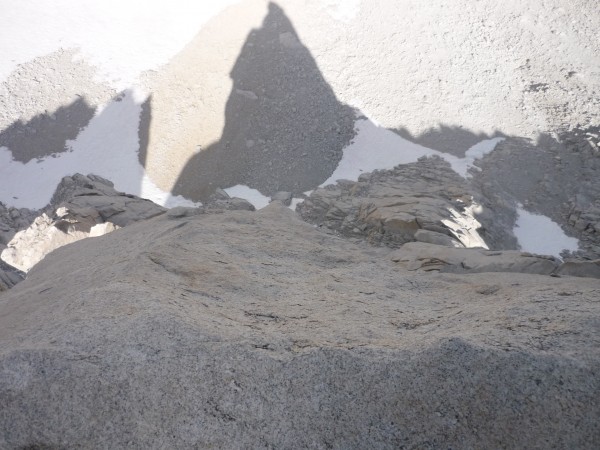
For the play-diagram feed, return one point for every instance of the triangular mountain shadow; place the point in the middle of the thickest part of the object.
(284, 127)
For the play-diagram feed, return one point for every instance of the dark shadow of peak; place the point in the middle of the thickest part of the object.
(284, 127)
(46, 134)
(454, 140)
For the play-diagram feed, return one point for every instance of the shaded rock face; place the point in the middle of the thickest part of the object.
(584, 201)
(9, 276)
(556, 177)
(82, 206)
(95, 197)
(12, 220)
(390, 207)
(254, 329)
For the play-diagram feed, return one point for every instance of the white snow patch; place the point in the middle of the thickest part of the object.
(539, 234)
(252, 195)
(479, 150)
(106, 147)
(121, 38)
(295, 202)
(376, 148)
(151, 191)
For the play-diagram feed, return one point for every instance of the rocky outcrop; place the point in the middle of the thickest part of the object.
(82, 206)
(283, 197)
(254, 329)
(584, 202)
(558, 176)
(45, 234)
(89, 206)
(428, 257)
(11, 221)
(222, 201)
(433, 237)
(9, 276)
(389, 207)
(95, 198)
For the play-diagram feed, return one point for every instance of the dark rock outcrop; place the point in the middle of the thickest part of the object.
(9, 276)
(95, 198)
(81, 207)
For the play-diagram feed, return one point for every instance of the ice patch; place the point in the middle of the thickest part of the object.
(539, 234)
(252, 195)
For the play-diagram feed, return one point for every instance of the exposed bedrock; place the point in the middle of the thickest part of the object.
(246, 329)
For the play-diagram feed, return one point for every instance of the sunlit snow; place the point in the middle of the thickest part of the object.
(539, 234)
(377, 148)
(252, 195)
(478, 151)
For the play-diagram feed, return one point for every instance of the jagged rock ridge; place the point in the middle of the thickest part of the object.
(389, 207)
(81, 207)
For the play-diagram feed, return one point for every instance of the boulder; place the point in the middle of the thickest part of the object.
(94, 196)
(283, 197)
(219, 194)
